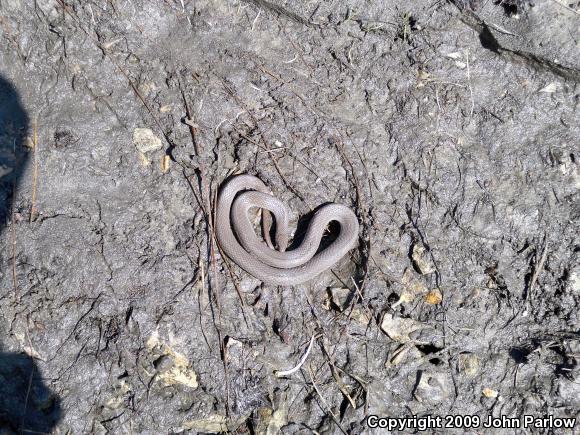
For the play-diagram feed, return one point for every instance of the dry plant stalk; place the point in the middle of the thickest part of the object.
(33, 210)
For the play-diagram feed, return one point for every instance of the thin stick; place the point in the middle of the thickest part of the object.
(500, 29)
(273, 158)
(337, 377)
(469, 82)
(29, 388)
(324, 401)
(199, 302)
(26, 400)
(236, 284)
(282, 373)
(206, 209)
(35, 170)
(538, 268)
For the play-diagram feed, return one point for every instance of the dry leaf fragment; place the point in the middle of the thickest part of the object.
(434, 297)
(488, 392)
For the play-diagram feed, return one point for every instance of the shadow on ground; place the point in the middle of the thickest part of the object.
(26, 404)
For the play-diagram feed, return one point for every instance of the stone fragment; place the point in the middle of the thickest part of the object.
(551, 88)
(468, 364)
(488, 392)
(145, 140)
(339, 297)
(165, 162)
(361, 316)
(271, 421)
(422, 260)
(412, 287)
(398, 328)
(404, 352)
(173, 368)
(212, 424)
(432, 387)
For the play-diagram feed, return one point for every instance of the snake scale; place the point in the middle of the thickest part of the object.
(238, 240)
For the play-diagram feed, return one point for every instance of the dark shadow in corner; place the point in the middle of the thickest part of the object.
(13, 153)
(26, 404)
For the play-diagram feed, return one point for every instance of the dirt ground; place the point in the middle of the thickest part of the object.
(451, 128)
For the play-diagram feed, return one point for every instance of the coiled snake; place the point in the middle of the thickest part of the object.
(240, 243)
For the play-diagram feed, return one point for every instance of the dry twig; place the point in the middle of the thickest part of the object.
(334, 418)
(282, 373)
(35, 170)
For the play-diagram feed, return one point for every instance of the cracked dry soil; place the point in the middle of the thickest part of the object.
(451, 128)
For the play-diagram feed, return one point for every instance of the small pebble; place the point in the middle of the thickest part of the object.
(145, 140)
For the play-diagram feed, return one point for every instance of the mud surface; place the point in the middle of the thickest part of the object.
(451, 128)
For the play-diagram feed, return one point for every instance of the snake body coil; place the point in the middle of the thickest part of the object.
(261, 260)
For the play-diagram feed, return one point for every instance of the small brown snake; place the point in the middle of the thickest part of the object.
(237, 238)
